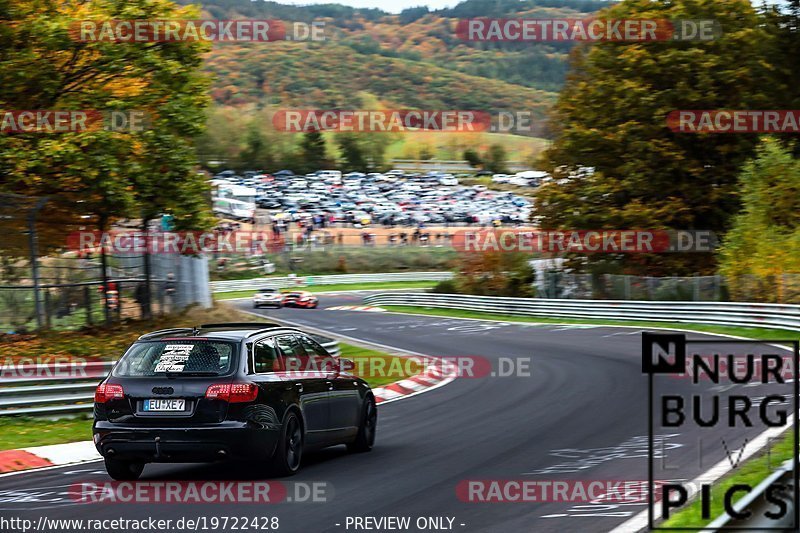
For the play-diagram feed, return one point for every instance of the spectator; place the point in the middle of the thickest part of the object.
(142, 297)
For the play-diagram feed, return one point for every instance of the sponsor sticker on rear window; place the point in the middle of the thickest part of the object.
(174, 357)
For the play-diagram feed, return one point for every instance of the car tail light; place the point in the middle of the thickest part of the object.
(232, 392)
(108, 391)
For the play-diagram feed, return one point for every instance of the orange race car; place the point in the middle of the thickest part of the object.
(302, 299)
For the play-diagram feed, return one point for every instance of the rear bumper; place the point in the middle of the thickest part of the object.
(268, 304)
(304, 305)
(228, 440)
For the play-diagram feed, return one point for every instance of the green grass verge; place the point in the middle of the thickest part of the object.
(22, 432)
(378, 368)
(337, 287)
(750, 333)
(751, 473)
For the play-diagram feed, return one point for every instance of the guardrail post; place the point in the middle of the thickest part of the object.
(87, 297)
(119, 301)
(47, 309)
(33, 244)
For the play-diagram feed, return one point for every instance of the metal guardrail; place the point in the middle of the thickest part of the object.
(282, 282)
(776, 316)
(756, 503)
(54, 395)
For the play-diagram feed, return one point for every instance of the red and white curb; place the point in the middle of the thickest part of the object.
(367, 308)
(47, 456)
(437, 373)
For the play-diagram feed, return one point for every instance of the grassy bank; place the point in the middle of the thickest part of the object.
(337, 287)
(751, 473)
(23, 432)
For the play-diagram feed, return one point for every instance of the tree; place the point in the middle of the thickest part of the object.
(373, 146)
(495, 159)
(99, 175)
(313, 155)
(352, 156)
(471, 156)
(611, 116)
(495, 274)
(764, 243)
(256, 153)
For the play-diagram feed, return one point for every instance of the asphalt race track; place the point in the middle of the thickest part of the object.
(581, 414)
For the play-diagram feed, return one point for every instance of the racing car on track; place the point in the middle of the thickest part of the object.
(254, 391)
(267, 297)
(302, 299)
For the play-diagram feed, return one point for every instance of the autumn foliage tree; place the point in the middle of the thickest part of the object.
(761, 254)
(612, 114)
(494, 274)
(100, 174)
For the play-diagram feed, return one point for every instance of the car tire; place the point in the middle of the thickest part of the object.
(123, 470)
(289, 451)
(365, 439)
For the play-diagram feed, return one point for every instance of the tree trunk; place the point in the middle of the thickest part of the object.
(104, 272)
(147, 306)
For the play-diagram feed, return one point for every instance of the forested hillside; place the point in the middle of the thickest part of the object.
(411, 59)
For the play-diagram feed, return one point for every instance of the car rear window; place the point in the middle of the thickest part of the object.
(176, 357)
(295, 294)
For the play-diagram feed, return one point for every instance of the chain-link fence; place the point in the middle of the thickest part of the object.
(44, 284)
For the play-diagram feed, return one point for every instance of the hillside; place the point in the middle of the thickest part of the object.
(328, 75)
(411, 59)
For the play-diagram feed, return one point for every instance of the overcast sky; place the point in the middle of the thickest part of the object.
(395, 6)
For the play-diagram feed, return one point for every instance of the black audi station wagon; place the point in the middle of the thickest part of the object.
(259, 392)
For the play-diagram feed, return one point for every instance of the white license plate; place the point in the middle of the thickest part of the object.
(165, 405)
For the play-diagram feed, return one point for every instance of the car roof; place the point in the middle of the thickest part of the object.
(226, 331)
